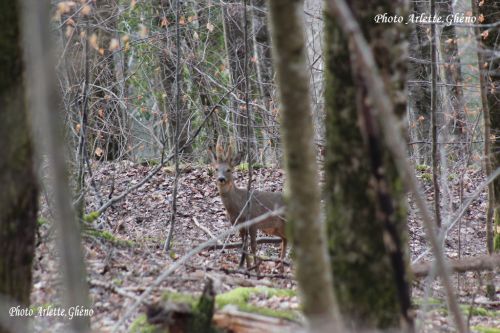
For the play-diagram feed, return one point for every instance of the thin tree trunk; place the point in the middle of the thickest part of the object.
(434, 123)
(366, 204)
(233, 20)
(452, 69)
(19, 189)
(302, 190)
(420, 94)
(489, 71)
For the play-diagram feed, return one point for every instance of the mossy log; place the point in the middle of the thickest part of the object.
(183, 314)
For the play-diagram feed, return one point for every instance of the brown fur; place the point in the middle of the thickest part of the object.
(234, 199)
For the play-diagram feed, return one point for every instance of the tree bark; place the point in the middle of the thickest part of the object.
(234, 25)
(365, 200)
(452, 69)
(302, 190)
(419, 71)
(489, 75)
(490, 11)
(19, 190)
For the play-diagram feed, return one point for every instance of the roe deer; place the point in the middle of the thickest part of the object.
(239, 210)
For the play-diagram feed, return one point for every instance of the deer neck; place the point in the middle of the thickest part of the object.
(232, 198)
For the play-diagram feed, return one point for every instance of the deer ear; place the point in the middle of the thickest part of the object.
(211, 154)
(236, 160)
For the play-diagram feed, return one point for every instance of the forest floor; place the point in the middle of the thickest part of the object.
(127, 255)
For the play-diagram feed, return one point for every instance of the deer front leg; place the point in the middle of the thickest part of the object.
(253, 247)
(244, 255)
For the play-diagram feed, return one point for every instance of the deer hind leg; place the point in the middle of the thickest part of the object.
(280, 265)
(244, 255)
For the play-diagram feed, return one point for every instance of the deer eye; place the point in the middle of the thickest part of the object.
(228, 170)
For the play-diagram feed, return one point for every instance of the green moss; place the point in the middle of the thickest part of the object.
(141, 325)
(146, 162)
(107, 236)
(240, 297)
(117, 282)
(490, 291)
(479, 311)
(171, 296)
(452, 176)
(482, 329)
(429, 301)
(496, 242)
(422, 167)
(426, 177)
(91, 217)
(41, 221)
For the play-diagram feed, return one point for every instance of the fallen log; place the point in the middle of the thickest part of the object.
(232, 320)
(477, 264)
(262, 240)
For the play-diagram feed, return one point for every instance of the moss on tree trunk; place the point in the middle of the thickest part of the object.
(18, 194)
(490, 10)
(364, 201)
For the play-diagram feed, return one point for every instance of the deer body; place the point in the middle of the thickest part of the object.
(239, 210)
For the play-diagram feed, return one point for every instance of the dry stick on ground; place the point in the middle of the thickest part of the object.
(219, 245)
(186, 257)
(395, 142)
(262, 240)
(204, 229)
(481, 263)
(117, 198)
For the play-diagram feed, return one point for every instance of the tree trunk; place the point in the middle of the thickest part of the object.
(19, 193)
(419, 92)
(452, 70)
(108, 141)
(175, 118)
(234, 27)
(365, 201)
(489, 71)
(490, 10)
(302, 190)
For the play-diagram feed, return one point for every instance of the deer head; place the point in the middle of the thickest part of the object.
(224, 160)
